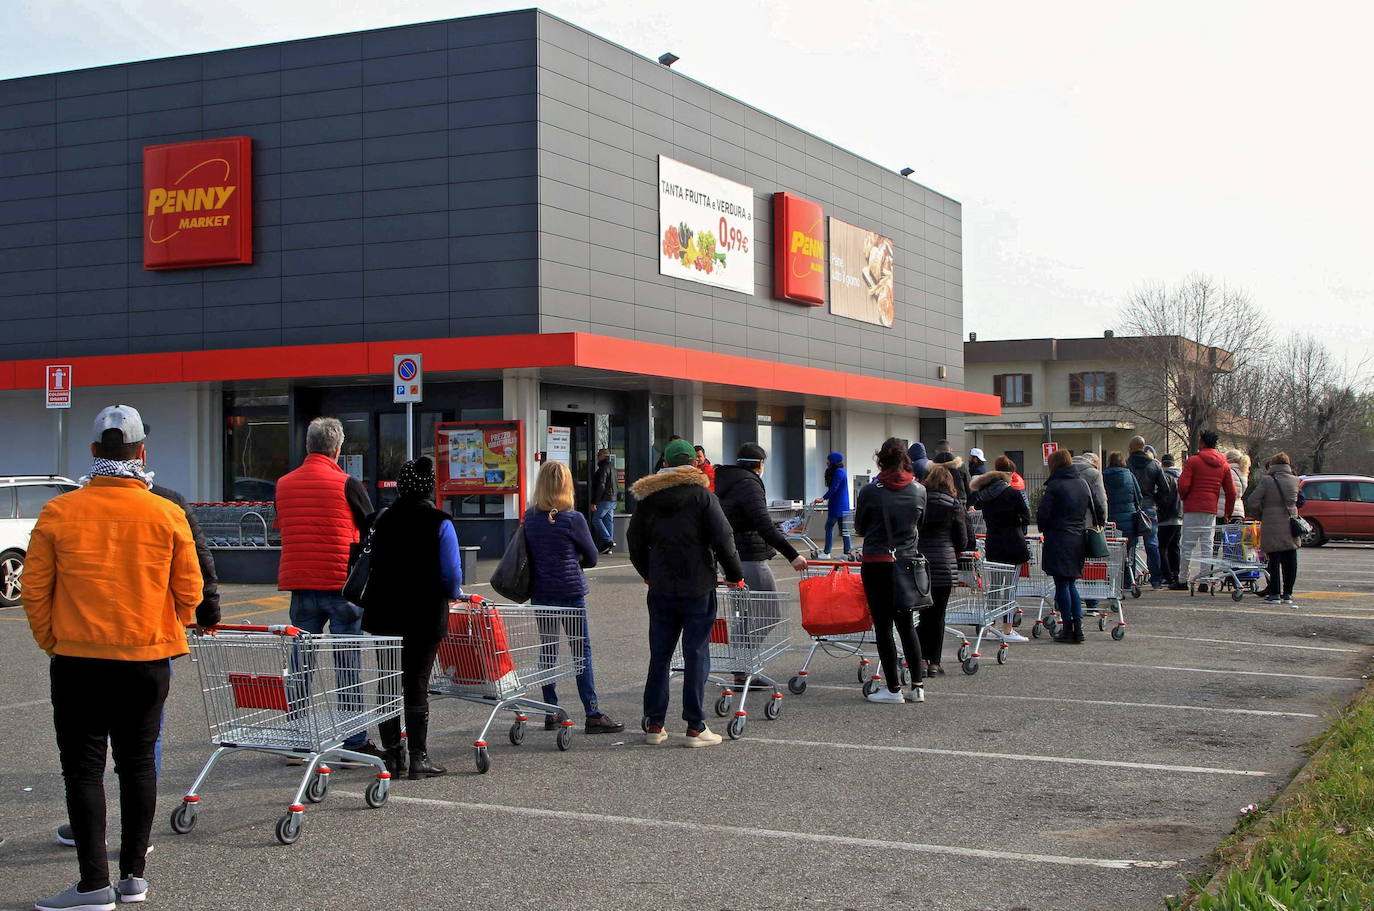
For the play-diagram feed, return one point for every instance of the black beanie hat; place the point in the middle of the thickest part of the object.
(416, 480)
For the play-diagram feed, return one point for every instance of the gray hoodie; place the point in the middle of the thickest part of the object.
(1088, 471)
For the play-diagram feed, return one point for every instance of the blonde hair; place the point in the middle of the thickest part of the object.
(1241, 459)
(553, 489)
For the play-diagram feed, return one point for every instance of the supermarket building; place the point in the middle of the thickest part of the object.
(572, 236)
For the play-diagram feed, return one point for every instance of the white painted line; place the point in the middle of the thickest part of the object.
(1186, 670)
(941, 694)
(1241, 610)
(1306, 648)
(25, 705)
(785, 835)
(1017, 757)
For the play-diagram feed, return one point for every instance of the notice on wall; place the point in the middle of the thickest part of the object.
(353, 465)
(558, 445)
(478, 457)
(861, 274)
(705, 227)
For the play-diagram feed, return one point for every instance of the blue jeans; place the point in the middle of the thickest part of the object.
(311, 610)
(1151, 539)
(579, 633)
(1066, 599)
(830, 522)
(670, 618)
(603, 522)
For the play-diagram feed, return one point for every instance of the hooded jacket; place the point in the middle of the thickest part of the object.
(959, 470)
(1170, 504)
(1240, 475)
(745, 503)
(1205, 476)
(603, 482)
(1149, 476)
(1275, 500)
(1005, 513)
(942, 538)
(1067, 507)
(920, 462)
(678, 533)
(836, 495)
(1093, 475)
(906, 506)
(1123, 499)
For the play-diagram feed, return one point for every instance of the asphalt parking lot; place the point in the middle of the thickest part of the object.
(1070, 778)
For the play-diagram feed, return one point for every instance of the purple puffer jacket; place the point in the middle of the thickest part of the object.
(558, 549)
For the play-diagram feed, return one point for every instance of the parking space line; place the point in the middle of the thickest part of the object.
(24, 705)
(1308, 648)
(941, 694)
(1243, 610)
(1187, 670)
(1018, 757)
(786, 835)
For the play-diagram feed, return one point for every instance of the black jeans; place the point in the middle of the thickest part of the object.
(96, 702)
(1170, 551)
(877, 579)
(1283, 570)
(417, 663)
(931, 632)
(671, 618)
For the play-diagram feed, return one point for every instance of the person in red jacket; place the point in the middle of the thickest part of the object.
(707, 469)
(321, 511)
(1206, 476)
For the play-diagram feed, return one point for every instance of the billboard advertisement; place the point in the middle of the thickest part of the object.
(798, 250)
(477, 457)
(198, 203)
(861, 280)
(705, 227)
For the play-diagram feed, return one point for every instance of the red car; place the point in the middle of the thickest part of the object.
(1337, 506)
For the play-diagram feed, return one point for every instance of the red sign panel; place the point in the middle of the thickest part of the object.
(479, 457)
(1047, 450)
(59, 385)
(198, 203)
(798, 250)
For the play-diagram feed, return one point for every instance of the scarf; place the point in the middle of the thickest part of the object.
(894, 478)
(108, 468)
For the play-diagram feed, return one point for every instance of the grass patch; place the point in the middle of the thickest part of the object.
(1315, 852)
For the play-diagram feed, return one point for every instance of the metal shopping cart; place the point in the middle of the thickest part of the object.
(280, 690)
(858, 645)
(809, 527)
(1102, 582)
(495, 654)
(750, 631)
(985, 593)
(978, 523)
(1233, 562)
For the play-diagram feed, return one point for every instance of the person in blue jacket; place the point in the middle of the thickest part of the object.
(920, 462)
(837, 499)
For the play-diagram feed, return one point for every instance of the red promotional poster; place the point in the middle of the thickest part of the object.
(479, 457)
(798, 250)
(198, 203)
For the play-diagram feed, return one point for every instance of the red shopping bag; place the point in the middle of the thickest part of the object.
(834, 604)
(720, 632)
(476, 649)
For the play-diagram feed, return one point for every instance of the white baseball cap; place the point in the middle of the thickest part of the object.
(976, 453)
(125, 419)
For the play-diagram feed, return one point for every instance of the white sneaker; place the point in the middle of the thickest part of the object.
(917, 694)
(655, 738)
(132, 889)
(1014, 636)
(823, 556)
(886, 695)
(704, 738)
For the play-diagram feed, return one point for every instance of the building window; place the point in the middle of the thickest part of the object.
(1013, 388)
(1094, 388)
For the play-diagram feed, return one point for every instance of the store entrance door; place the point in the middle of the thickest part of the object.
(580, 457)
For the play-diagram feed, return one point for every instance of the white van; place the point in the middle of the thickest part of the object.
(21, 499)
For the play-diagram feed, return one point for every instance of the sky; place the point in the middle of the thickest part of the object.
(1095, 147)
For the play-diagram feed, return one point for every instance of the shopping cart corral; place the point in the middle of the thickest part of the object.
(496, 654)
(751, 629)
(984, 595)
(283, 691)
(1233, 563)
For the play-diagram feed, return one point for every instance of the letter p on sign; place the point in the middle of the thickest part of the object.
(407, 378)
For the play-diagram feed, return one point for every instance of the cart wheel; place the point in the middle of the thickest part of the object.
(289, 828)
(644, 723)
(1101, 623)
(1016, 619)
(1135, 591)
(517, 733)
(797, 685)
(736, 727)
(1050, 623)
(564, 739)
(964, 652)
(1002, 655)
(723, 705)
(870, 686)
(815, 555)
(1035, 630)
(1119, 632)
(318, 787)
(863, 671)
(970, 666)
(184, 818)
(1237, 595)
(480, 757)
(772, 708)
(377, 792)
(905, 675)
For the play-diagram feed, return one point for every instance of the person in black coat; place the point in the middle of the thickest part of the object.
(415, 571)
(744, 501)
(1062, 519)
(888, 515)
(1006, 515)
(603, 499)
(677, 535)
(942, 540)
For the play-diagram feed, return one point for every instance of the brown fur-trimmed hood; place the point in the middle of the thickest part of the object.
(953, 464)
(671, 477)
(987, 477)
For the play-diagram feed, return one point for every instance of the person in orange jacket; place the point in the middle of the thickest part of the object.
(111, 581)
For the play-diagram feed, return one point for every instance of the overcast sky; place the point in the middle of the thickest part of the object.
(1094, 146)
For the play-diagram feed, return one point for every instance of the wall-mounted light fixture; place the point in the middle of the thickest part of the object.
(907, 172)
(668, 59)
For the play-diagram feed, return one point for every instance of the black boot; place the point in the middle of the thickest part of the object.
(1078, 630)
(417, 732)
(393, 746)
(1070, 632)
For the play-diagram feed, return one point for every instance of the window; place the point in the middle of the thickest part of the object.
(1013, 388)
(1322, 490)
(1362, 492)
(33, 496)
(1093, 388)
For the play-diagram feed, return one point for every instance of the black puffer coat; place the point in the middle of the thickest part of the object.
(678, 533)
(745, 503)
(905, 504)
(1062, 518)
(942, 537)
(1005, 514)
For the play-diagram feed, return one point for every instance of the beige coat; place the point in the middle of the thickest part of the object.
(1274, 499)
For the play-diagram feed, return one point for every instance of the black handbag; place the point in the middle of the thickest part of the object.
(910, 575)
(360, 566)
(511, 580)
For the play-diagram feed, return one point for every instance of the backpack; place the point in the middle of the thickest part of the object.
(1168, 506)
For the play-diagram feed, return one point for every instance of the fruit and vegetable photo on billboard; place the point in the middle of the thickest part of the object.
(705, 227)
(861, 274)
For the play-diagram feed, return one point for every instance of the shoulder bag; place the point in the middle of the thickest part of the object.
(1299, 526)
(1143, 525)
(512, 576)
(910, 575)
(355, 586)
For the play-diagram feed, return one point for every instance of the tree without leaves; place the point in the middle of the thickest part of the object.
(1323, 403)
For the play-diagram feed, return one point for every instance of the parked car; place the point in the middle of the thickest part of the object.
(1338, 506)
(21, 499)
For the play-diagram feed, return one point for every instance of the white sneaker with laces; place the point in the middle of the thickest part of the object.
(1014, 636)
(703, 738)
(886, 695)
(917, 694)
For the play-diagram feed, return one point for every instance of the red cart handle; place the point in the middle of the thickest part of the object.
(470, 599)
(280, 629)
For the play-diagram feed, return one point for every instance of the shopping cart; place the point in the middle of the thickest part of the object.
(985, 593)
(859, 645)
(283, 691)
(1233, 562)
(978, 524)
(494, 655)
(1100, 582)
(751, 629)
(809, 527)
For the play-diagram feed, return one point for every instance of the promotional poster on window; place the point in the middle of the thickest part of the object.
(478, 457)
(705, 227)
(861, 274)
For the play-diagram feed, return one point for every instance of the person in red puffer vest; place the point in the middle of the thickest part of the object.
(321, 510)
(1206, 476)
